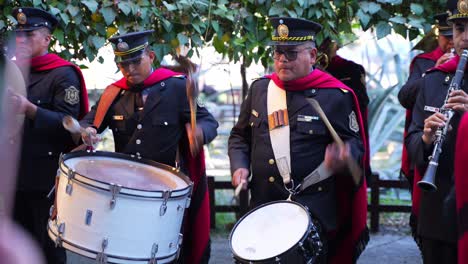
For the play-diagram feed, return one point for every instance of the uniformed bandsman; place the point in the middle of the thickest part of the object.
(437, 221)
(280, 139)
(147, 111)
(55, 88)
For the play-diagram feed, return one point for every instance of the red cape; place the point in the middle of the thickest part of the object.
(433, 56)
(52, 61)
(197, 223)
(155, 77)
(352, 235)
(461, 187)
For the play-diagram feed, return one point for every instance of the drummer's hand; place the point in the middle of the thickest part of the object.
(431, 124)
(195, 141)
(240, 176)
(336, 158)
(444, 58)
(90, 136)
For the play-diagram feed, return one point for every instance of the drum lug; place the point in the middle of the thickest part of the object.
(189, 200)
(179, 244)
(58, 239)
(163, 208)
(88, 217)
(115, 190)
(154, 250)
(101, 258)
(70, 175)
(278, 260)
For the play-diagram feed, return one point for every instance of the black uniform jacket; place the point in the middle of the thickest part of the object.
(409, 91)
(250, 145)
(45, 138)
(437, 210)
(153, 132)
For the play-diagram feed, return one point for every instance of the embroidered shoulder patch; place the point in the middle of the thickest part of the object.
(353, 123)
(72, 95)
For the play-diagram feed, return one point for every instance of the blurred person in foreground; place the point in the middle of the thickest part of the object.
(409, 92)
(16, 245)
(149, 114)
(55, 88)
(437, 218)
(337, 202)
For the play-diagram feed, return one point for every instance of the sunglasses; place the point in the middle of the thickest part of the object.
(126, 64)
(289, 54)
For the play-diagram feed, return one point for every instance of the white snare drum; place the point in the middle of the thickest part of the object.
(276, 232)
(119, 208)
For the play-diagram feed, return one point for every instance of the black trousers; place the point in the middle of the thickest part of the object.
(436, 252)
(31, 211)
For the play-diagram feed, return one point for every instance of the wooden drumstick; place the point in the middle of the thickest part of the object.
(74, 127)
(239, 188)
(354, 168)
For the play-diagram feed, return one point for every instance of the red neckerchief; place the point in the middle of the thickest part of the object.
(346, 243)
(155, 77)
(461, 185)
(433, 56)
(449, 66)
(52, 61)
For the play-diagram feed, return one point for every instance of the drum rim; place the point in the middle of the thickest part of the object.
(63, 240)
(127, 157)
(257, 208)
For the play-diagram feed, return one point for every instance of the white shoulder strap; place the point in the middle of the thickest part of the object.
(279, 136)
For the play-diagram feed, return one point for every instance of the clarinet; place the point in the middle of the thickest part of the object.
(428, 181)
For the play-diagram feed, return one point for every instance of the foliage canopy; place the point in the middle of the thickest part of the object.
(238, 29)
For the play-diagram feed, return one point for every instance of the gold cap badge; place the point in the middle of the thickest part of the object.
(21, 17)
(462, 6)
(122, 46)
(283, 30)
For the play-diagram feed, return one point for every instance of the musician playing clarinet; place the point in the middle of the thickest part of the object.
(438, 106)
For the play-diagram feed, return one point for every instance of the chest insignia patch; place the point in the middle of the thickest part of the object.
(353, 123)
(72, 95)
(431, 109)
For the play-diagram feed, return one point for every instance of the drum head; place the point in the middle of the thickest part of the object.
(269, 230)
(128, 173)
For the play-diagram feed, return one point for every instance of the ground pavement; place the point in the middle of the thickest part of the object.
(382, 249)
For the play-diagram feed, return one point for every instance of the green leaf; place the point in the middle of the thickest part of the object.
(364, 18)
(58, 34)
(218, 44)
(170, 7)
(37, 2)
(374, 8)
(182, 39)
(417, 8)
(215, 25)
(97, 41)
(109, 15)
(54, 11)
(167, 25)
(64, 17)
(91, 5)
(125, 7)
(383, 29)
(276, 10)
(398, 20)
(73, 10)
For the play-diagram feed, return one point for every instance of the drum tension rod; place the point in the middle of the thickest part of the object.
(70, 175)
(101, 258)
(154, 250)
(115, 190)
(163, 208)
(58, 239)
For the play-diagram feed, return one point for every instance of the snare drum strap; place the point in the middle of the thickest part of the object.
(319, 174)
(279, 129)
(108, 96)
